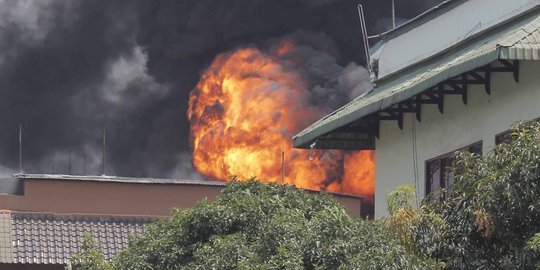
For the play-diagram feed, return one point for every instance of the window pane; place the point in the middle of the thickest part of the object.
(447, 171)
(434, 176)
(439, 172)
(505, 137)
(476, 149)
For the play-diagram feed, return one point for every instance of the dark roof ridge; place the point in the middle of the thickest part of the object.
(117, 179)
(83, 216)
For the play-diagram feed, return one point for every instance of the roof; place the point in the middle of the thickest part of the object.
(428, 14)
(117, 179)
(53, 239)
(439, 31)
(516, 40)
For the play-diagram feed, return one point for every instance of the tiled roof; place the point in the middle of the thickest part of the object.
(53, 239)
(118, 179)
(5, 237)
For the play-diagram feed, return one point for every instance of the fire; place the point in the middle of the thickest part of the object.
(244, 111)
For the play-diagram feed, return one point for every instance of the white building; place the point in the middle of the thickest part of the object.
(455, 77)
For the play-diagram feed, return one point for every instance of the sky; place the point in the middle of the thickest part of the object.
(71, 69)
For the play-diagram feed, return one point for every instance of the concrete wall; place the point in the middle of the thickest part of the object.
(86, 197)
(460, 125)
(129, 199)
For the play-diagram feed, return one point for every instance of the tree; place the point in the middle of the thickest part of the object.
(488, 219)
(89, 257)
(490, 215)
(267, 226)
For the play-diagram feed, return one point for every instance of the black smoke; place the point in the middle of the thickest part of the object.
(70, 69)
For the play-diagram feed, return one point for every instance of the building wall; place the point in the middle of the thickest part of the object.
(129, 199)
(86, 197)
(460, 125)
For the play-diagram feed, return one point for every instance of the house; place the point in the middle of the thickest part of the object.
(454, 78)
(45, 217)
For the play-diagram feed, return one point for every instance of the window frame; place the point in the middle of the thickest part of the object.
(443, 167)
(508, 132)
(500, 137)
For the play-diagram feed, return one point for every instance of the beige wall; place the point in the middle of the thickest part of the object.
(460, 125)
(106, 198)
(85, 197)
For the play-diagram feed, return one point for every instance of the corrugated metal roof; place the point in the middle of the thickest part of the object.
(519, 40)
(117, 179)
(39, 238)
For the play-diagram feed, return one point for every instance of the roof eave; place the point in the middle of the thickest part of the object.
(356, 111)
(338, 141)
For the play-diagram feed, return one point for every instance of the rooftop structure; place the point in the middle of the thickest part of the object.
(454, 78)
(471, 60)
(44, 217)
(44, 238)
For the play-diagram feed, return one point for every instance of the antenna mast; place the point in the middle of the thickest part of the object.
(282, 164)
(394, 13)
(20, 148)
(364, 36)
(104, 148)
(85, 169)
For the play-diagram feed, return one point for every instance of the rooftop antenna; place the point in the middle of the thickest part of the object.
(69, 165)
(85, 171)
(364, 36)
(394, 13)
(282, 164)
(20, 148)
(53, 161)
(104, 148)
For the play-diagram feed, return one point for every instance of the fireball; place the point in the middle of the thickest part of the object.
(243, 113)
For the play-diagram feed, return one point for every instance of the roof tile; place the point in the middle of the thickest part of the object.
(49, 238)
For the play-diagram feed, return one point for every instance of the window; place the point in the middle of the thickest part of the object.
(504, 137)
(438, 170)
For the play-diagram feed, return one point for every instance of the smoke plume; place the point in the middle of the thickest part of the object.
(71, 69)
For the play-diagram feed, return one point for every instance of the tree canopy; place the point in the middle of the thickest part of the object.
(488, 219)
(266, 226)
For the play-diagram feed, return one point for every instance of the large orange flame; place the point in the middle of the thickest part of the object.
(244, 111)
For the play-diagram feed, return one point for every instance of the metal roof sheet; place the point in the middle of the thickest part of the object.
(443, 30)
(117, 179)
(518, 40)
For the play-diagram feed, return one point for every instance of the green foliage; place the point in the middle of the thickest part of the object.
(401, 198)
(489, 219)
(266, 226)
(89, 257)
(491, 212)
